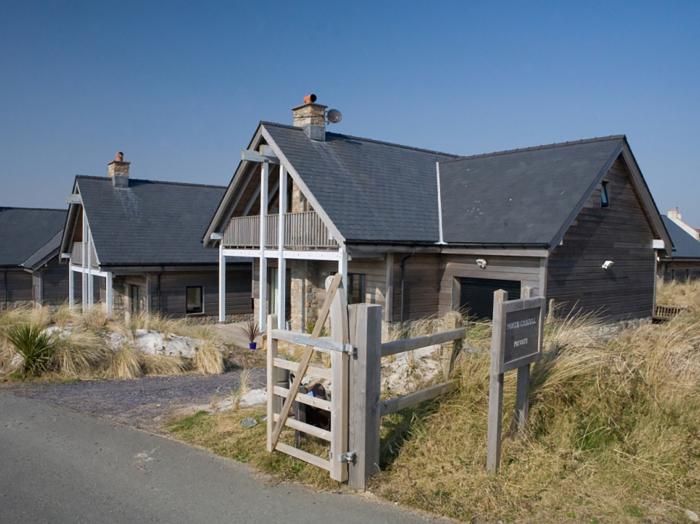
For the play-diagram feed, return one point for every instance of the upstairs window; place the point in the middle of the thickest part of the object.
(356, 288)
(194, 300)
(604, 195)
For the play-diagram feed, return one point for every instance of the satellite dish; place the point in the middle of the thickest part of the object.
(334, 116)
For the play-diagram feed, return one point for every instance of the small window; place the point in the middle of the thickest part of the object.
(194, 300)
(604, 196)
(356, 288)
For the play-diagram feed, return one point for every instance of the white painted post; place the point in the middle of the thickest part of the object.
(71, 285)
(109, 295)
(262, 281)
(495, 420)
(339, 399)
(222, 282)
(365, 328)
(281, 261)
(91, 280)
(83, 260)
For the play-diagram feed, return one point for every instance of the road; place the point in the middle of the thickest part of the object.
(61, 466)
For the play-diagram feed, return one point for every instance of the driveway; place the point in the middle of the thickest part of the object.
(62, 466)
(142, 403)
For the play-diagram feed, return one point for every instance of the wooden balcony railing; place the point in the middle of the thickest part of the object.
(302, 231)
(77, 255)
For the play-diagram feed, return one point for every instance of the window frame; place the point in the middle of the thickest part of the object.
(604, 194)
(200, 310)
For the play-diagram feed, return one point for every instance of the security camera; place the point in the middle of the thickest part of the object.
(481, 262)
(607, 264)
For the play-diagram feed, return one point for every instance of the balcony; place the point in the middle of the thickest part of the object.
(302, 231)
(76, 256)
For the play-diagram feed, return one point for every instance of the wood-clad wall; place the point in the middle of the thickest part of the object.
(15, 287)
(55, 283)
(421, 286)
(620, 233)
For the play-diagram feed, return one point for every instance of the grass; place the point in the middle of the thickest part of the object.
(78, 345)
(613, 434)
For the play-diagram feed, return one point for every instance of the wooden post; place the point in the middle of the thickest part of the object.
(281, 261)
(365, 326)
(523, 384)
(274, 376)
(493, 455)
(339, 400)
(450, 351)
(262, 277)
(222, 282)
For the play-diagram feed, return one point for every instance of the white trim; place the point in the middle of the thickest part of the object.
(222, 284)
(109, 295)
(274, 253)
(281, 262)
(441, 240)
(304, 189)
(343, 266)
(658, 244)
(262, 280)
(506, 252)
(71, 288)
(95, 272)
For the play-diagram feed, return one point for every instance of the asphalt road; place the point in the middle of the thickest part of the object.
(60, 466)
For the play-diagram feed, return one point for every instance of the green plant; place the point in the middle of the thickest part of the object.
(34, 345)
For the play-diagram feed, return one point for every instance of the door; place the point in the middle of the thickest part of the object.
(134, 299)
(476, 295)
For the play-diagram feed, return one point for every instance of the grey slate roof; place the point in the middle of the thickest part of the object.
(684, 246)
(371, 190)
(521, 196)
(44, 253)
(23, 231)
(150, 222)
(379, 192)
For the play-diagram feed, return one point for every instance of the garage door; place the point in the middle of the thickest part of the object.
(476, 295)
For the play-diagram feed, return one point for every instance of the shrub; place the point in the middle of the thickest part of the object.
(36, 348)
(79, 354)
(123, 364)
(209, 360)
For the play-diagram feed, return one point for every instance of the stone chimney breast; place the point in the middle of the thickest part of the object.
(311, 117)
(118, 171)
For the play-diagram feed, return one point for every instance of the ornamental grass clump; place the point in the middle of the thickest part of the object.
(34, 346)
(208, 359)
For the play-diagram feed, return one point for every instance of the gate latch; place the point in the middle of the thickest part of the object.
(348, 457)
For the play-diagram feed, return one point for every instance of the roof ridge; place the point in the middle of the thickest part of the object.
(383, 142)
(169, 182)
(27, 208)
(553, 145)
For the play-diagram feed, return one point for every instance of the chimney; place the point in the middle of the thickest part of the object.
(675, 213)
(311, 117)
(118, 171)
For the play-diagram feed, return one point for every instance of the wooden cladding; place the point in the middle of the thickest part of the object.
(304, 230)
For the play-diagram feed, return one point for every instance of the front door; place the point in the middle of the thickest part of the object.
(476, 295)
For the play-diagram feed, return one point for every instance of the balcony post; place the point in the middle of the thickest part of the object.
(262, 279)
(281, 261)
(109, 295)
(343, 266)
(222, 282)
(91, 281)
(71, 284)
(83, 259)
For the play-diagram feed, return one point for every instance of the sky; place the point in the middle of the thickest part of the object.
(180, 86)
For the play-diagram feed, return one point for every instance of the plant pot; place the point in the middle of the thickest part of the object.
(252, 345)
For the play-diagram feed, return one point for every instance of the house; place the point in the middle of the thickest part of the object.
(134, 245)
(423, 232)
(29, 265)
(683, 263)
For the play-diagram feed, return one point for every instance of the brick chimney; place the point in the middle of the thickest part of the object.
(675, 213)
(118, 171)
(311, 117)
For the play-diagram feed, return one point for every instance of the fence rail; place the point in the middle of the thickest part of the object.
(305, 230)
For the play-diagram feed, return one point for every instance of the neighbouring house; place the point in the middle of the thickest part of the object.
(422, 232)
(134, 245)
(29, 246)
(684, 261)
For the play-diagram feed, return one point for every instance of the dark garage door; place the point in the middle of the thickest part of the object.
(476, 295)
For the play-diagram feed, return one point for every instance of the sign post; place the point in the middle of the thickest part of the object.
(516, 341)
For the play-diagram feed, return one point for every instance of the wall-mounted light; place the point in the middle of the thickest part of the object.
(607, 264)
(481, 262)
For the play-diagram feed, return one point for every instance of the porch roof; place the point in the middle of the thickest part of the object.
(23, 231)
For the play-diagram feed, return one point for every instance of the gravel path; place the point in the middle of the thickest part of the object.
(142, 403)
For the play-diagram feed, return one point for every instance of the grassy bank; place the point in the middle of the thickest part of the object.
(57, 343)
(614, 432)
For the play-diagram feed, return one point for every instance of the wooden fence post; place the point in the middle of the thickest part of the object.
(493, 454)
(365, 328)
(523, 384)
(451, 350)
(275, 377)
(339, 399)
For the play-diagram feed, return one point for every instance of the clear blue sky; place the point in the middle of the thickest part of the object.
(180, 86)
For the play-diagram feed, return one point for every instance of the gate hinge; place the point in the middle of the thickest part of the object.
(348, 457)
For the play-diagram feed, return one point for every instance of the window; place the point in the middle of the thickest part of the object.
(604, 196)
(356, 288)
(194, 300)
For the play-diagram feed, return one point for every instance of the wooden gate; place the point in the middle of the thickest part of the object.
(281, 396)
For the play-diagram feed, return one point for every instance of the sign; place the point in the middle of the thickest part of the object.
(523, 333)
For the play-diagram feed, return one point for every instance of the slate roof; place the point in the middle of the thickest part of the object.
(23, 231)
(684, 245)
(44, 253)
(150, 222)
(521, 196)
(380, 192)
